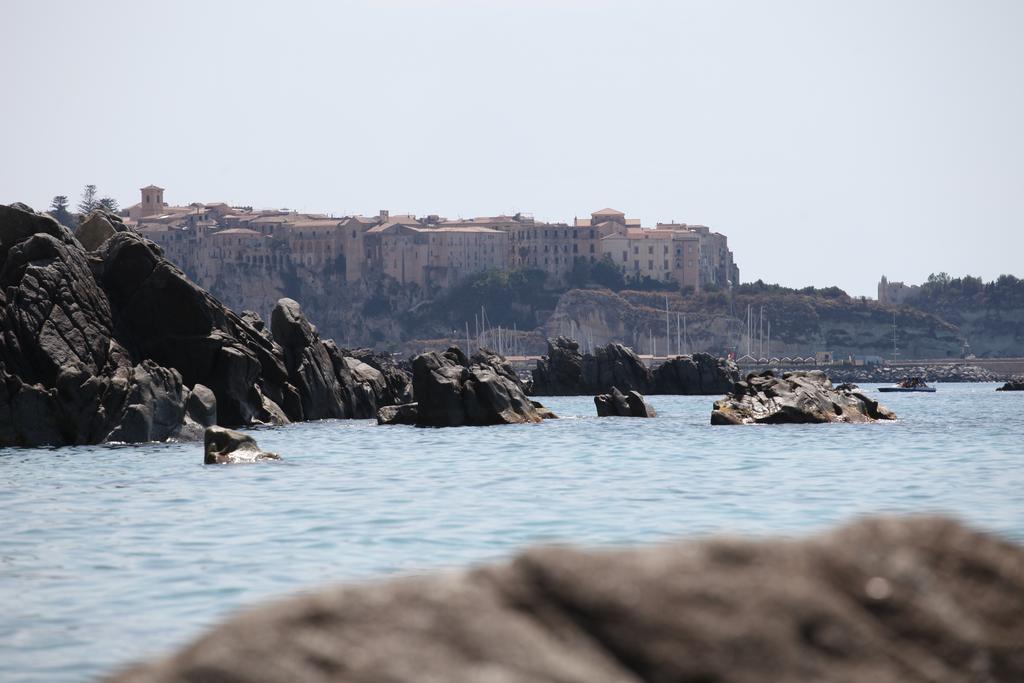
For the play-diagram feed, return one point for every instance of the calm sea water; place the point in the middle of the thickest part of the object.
(111, 554)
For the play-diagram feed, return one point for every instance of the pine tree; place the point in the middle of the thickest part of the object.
(108, 204)
(59, 210)
(88, 202)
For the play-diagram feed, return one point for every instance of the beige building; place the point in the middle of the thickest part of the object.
(435, 257)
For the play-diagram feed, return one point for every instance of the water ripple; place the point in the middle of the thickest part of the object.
(112, 553)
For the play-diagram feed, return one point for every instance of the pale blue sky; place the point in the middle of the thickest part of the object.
(831, 141)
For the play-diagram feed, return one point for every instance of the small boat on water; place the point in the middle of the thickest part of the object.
(910, 384)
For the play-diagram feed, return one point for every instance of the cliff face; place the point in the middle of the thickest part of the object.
(379, 312)
(356, 314)
(800, 325)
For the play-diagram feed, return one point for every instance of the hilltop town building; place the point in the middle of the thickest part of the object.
(430, 251)
(896, 293)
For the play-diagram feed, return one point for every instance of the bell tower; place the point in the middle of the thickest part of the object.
(152, 200)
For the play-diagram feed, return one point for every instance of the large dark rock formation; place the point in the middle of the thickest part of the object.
(796, 398)
(560, 372)
(66, 374)
(112, 343)
(699, 374)
(617, 404)
(1012, 385)
(330, 381)
(452, 391)
(564, 371)
(921, 600)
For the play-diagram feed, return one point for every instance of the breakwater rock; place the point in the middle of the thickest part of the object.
(795, 398)
(618, 404)
(1012, 385)
(889, 600)
(885, 374)
(565, 371)
(110, 343)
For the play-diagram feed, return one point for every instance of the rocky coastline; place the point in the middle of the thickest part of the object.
(103, 339)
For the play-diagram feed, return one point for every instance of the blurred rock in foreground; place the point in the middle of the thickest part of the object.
(883, 600)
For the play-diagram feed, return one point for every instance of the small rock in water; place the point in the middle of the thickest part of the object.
(623, 405)
(1012, 385)
(226, 446)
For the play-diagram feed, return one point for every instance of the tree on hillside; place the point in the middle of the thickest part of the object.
(580, 275)
(59, 210)
(89, 202)
(606, 274)
(108, 204)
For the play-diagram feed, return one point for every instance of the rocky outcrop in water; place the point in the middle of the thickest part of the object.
(227, 447)
(616, 403)
(1012, 385)
(795, 398)
(564, 371)
(918, 600)
(111, 344)
(452, 391)
(698, 374)
(66, 375)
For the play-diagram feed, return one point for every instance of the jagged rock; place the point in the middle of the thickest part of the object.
(912, 600)
(397, 376)
(64, 376)
(405, 414)
(104, 344)
(226, 447)
(309, 364)
(796, 397)
(452, 392)
(98, 228)
(615, 365)
(330, 382)
(1012, 385)
(156, 407)
(566, 372)
(163, 316)
(560, 372)
(699, 374)
(618, 404)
